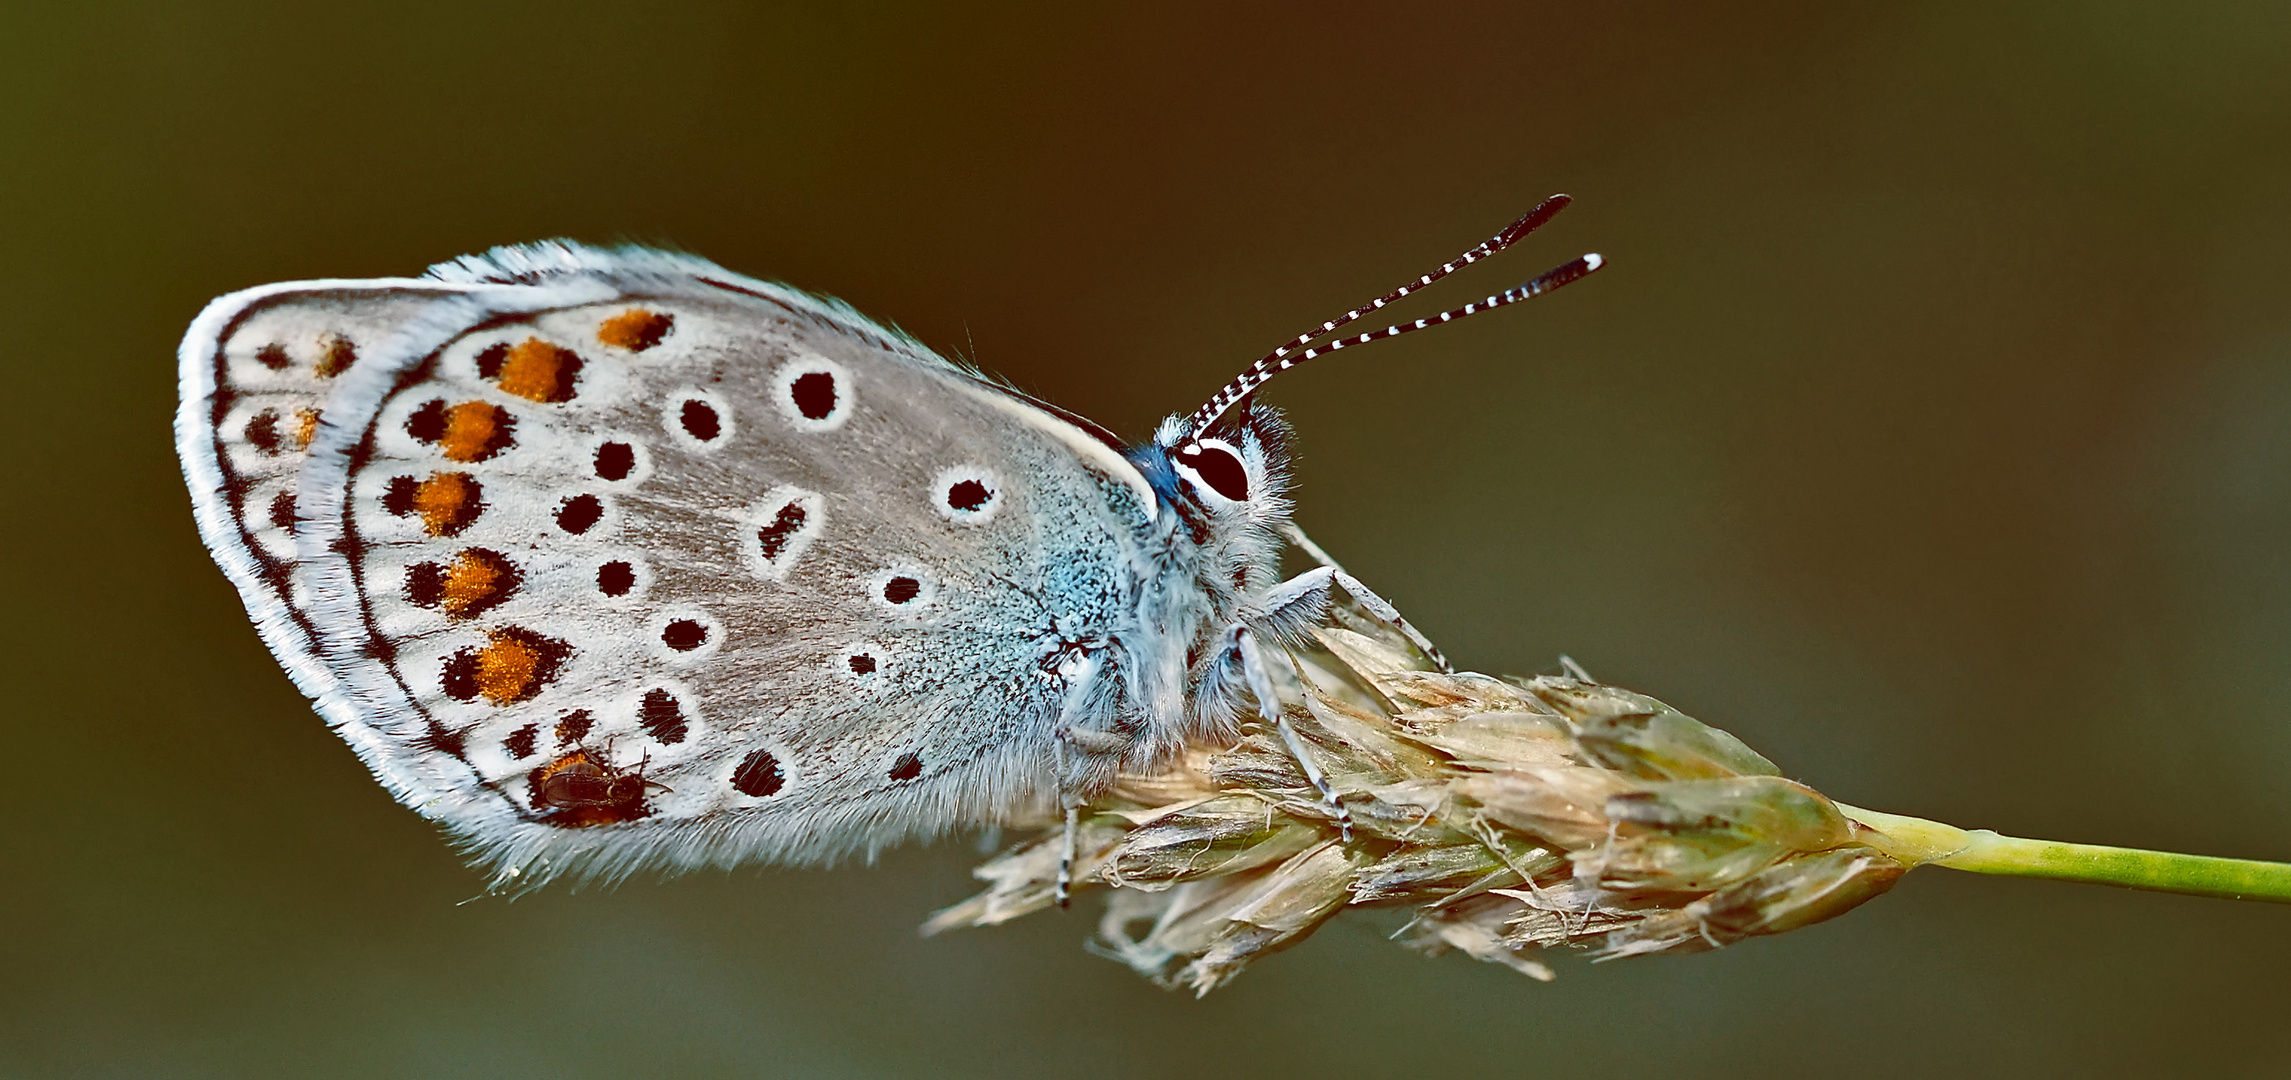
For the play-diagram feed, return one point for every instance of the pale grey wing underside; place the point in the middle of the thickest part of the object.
(800, 576)
(257, 369)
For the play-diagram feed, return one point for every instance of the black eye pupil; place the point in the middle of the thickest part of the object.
(1218, 468)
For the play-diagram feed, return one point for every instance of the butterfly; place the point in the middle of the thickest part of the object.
(612, 559)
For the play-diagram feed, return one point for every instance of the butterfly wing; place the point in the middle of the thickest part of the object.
(257, 369)
(614, 559)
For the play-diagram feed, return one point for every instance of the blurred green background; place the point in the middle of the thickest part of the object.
(1930, 429)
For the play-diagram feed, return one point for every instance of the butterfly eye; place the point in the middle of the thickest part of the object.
(1216, 466)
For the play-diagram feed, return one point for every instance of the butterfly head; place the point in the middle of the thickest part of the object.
(1234, 475)
(1224, 512)
(1240, 464)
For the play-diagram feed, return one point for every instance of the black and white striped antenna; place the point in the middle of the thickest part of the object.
(1296, 351)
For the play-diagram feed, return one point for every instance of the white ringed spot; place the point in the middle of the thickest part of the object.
(684, 635)
(902, 590)
(620, 578)
(776, 530)
(699, 420)
(667, 713)
(966, 494)
(767, 771)
(814, 393)
(617, 458)
(586, 515)
(862, 663)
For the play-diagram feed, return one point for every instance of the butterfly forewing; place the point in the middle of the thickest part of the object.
(634, 562)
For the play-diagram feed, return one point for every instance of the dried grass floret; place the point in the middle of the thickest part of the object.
(1509, 815)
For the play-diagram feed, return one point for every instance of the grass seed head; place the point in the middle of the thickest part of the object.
(1502, 816)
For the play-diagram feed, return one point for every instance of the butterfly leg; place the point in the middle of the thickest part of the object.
(1309, 592)
(1072, 809)
(1081, 674)
(1260, 676)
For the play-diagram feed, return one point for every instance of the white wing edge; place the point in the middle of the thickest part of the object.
(635, 268)
(272, 614)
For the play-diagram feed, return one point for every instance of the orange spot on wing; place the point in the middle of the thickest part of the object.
(635, 329)
(478, 580)
(475, 431)
(513, 665)
(305, 427)
(532, 369)
(508, 670)
(447, 502)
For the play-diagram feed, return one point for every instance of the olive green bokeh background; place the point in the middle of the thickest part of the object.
(1930, 429)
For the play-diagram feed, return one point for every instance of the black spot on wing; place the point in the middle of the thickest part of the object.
(759, 775)
(615, 460)
(773, 538)
(580, 513)
(662, 717)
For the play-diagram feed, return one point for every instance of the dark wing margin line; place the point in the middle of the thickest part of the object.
(353, 547)
(272, 572)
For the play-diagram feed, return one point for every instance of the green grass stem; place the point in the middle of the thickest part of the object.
(1918, 841)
